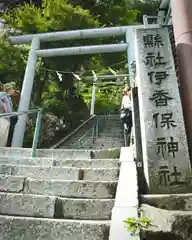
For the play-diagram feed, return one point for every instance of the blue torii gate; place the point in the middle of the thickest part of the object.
(35, 51)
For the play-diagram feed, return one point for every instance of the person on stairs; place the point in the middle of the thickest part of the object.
(126, 113)
(9, 96)
(4, 122)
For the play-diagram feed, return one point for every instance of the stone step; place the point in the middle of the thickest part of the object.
(101, 146)
(59, 153)
(80, 132)
(14, 204)
(95, 146)
(111, 136)
(63, 173)
(25, 228)
(71, 189)
(26, 161)
(62, 188)
(100, 139)
(96, 163)
(41, 172)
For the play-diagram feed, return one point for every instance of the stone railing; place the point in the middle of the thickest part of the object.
(126, 201)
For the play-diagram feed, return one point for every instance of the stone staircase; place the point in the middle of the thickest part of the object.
(110, 136)
(60, 194)
(69, 142)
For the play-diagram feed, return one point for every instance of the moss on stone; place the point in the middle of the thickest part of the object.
(112, 188)
(147, 235)
(169, 203)
(182, 226)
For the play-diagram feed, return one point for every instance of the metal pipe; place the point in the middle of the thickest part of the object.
(26, 94)
(93, 96)
(182, 23)
(107, 76)
(168, 15)
(97, 130)
(145, 21)
(82, 50)
(36, 134)
(110, 83)
(93, 134)
(70, 35)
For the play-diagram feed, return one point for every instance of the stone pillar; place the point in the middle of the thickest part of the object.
(182, 23)
(137, 141)
(165, 150)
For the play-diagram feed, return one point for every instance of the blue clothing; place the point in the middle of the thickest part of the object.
(5, 98)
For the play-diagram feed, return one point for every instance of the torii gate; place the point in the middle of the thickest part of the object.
(35, 51)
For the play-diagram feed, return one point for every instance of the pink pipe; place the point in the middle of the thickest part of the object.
(182, 23)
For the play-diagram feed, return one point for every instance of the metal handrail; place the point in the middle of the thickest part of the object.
(94, 130)
(37, 125)
(19, 113)
(72, 133)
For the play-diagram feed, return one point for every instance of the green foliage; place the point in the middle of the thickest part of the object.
(109, 12)
(12, 62)
(68, 99)
(144, 7)
(134, 226)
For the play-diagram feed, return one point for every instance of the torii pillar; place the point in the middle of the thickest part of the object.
(182, 23)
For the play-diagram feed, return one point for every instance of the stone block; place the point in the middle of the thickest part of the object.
(107, 153)
(167, 225)
(73, 189)
(41, 172)
(181, 202)
(117, 228)
(11, 184)
(87, 209)
(27, 205)
(24, 228)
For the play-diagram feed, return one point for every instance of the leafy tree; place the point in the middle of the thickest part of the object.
(144, 7)
(109, 12)
(65, 97)
(12, 63)
(58, 97)
(54, 15)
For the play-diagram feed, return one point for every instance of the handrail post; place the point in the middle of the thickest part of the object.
(37, 132)
(93, 135)
(97, 130)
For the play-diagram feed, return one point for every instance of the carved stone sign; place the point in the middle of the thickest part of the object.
(165, 150)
